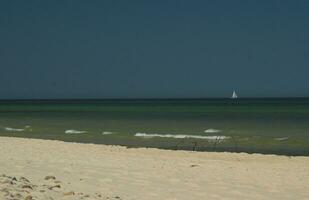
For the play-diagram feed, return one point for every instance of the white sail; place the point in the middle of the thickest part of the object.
(234, 96)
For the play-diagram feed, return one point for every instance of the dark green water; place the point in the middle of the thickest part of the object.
(279, 126)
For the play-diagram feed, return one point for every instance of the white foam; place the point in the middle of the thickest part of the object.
(180, 136)
(282, 138)
(74, 132)
(107, 133)
(14, 129)
(211, 130)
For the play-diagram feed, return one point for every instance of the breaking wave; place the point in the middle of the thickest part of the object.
(14, 129)
(18, 129)
(282, 138)
(181, 136)
(211, 130)
(74, 132)
(107, 133)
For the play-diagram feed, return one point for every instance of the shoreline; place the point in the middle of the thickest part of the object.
(240, 150)
(96, 171)
(158, 149)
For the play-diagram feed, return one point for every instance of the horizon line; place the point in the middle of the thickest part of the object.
(118, 99)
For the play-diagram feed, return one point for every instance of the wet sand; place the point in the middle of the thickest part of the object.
(45, 169)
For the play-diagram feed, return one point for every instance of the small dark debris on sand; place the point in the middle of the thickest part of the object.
(54, 186)
(50, 178)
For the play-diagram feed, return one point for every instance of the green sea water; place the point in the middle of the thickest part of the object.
(277, 126)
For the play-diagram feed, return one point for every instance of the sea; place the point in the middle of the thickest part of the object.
(253, 125)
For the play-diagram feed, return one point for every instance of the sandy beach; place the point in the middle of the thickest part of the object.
(44, 169)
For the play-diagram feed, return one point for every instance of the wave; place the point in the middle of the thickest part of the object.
(18, 129)
(181, 136)
(74, 132)
(14, 129)
(107, 133)
(282, 138)
(211, 130)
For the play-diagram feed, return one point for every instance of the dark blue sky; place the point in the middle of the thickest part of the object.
(153, 49)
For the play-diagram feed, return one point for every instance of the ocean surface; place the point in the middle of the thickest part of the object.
(271, 126)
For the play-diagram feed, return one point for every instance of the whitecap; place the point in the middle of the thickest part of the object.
(74, 132)
(14, 129)
(107, 133)
(282, 138)
(211, 130)
(181, 136)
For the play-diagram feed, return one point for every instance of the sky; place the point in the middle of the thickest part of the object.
(153, 49)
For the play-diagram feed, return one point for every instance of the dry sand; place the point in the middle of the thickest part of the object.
(88, 171)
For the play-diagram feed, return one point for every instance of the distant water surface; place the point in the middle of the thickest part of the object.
(279, 126)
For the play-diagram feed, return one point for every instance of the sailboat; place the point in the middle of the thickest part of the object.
(234, 95)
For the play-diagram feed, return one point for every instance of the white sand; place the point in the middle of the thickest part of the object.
(112, 172)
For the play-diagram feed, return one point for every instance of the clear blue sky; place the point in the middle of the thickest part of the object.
(153, 49)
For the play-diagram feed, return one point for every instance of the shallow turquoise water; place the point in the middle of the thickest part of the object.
(278, 126)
